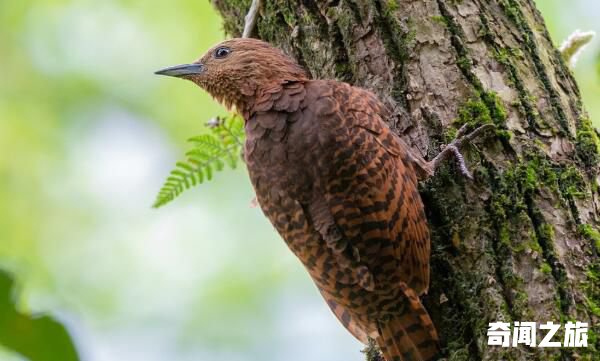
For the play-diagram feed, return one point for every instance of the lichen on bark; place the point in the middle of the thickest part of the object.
(521, 241)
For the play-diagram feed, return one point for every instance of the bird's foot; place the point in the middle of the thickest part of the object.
(251, 18)
(453, 149)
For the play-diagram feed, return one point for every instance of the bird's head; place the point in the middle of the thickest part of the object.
(236, 71)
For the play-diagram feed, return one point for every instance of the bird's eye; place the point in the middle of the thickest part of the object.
(222, 52)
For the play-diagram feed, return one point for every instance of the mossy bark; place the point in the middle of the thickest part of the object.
(520, 242)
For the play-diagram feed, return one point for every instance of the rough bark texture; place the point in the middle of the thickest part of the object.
(520, 242)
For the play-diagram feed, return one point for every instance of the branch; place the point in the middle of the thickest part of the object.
(251, 18)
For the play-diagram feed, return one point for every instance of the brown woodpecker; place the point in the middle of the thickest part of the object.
(337, 184)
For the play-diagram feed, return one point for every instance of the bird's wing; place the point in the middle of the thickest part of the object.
(293, 222)
(370, 188)
(284, 188)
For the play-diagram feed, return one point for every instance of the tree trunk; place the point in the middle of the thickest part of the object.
(520, 242)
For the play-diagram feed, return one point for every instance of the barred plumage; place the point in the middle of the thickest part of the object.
(339, 187)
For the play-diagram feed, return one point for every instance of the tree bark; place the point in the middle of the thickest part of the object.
(520, 242)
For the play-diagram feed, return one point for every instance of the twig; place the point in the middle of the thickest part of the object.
(251, 18)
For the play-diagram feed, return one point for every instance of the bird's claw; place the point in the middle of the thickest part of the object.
(453, 148)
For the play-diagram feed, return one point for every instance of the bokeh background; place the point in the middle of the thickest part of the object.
(88, 134)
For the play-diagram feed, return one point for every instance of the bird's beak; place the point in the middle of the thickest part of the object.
(180, 71)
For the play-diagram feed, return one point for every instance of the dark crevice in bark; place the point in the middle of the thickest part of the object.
(504, 56)
(333, 3)
(313, 9)
(331, 30)
(450, 285)
(570, 200)
(544, 233)
(502, 255)
(355, 10)
(343, 69)
(513, 11)
(300, 39)
(394, 39)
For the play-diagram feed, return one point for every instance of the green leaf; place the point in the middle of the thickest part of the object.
(210, 152)
(36, 337)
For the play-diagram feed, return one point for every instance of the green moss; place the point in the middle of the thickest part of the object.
(594, 308)
(592, 288)
(439, 19)
(484, 108)
(532, 245)
(572, 183)
(508, 208)
(464, 64)
(593, 348)
(278, 15)
(504, 135)
(495, 106)
(547, 232)
(587, 144)
(590, 233)
(525, 177)
(514, 194)
(512, 11)
(504, 236)
(462, 54)
(450, 134)
(507, 56)
(545, 268)
(515, 189)
(518, 300)
(475, 113)
(503, 56)
(392, 5)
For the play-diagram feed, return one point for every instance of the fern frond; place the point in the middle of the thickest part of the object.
(210, 152)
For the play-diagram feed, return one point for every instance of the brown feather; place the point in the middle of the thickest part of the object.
(339, 187)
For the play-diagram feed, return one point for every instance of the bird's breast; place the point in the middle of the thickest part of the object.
(281, 157)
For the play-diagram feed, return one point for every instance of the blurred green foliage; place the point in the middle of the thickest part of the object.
(39, 337)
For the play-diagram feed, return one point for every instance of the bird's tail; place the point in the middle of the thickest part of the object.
(409, 335)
